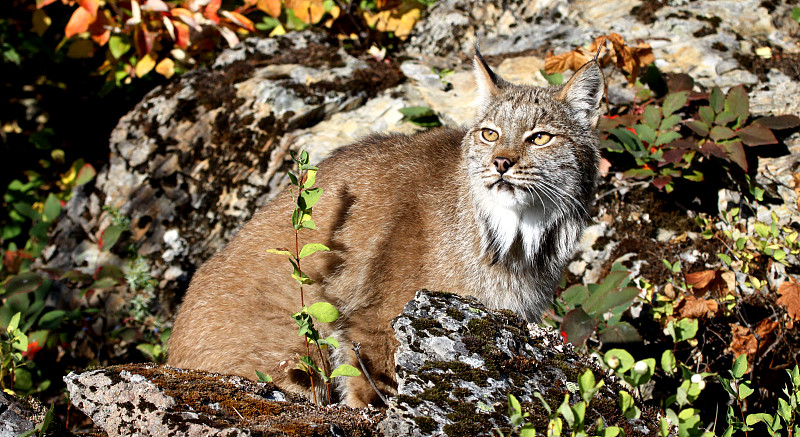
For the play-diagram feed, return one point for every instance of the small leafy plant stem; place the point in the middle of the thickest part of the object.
(323, 312)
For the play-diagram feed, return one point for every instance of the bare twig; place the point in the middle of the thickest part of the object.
(356, 348)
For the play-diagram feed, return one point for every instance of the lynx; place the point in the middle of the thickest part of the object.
(494, 210)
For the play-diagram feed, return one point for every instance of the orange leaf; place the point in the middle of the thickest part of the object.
(210, 11)
(271, 7)
(790, 298)
(700, 280)
(89, 5)
(695, 308)
(100, 29)
(181, 34)
(79, 22)
(166, 68)
(310, 11)
(573, 60)
(744, 341)
(239, 20)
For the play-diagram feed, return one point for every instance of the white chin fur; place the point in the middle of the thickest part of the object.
(509, 217)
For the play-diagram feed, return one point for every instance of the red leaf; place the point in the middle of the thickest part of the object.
(79, 22)
(757, 135)
(42, 3)
(710, 148)
(779, 122)
(144, 40)
(736, 153)
(672, 156)
(662, 181)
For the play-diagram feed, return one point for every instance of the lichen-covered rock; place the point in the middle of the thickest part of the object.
(149, 400)
(16, 417)
(458, 361)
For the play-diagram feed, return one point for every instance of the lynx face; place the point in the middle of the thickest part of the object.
(532, 156)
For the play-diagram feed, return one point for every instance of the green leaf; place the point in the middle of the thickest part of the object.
(739, 366)
(796, 14)
(324, 312)
(308, 224)
(761, 229)
(263, 377)
(578, 326)
(13, 324)
(725, 118)
(698, 127)
(669, 122)
(628, 139)
(744, 391)
(103, 284)
(301, 277)
(293, 179)
(52, 319)
(110, 236)
(716, 99)
(577, 294)
(668, 362)
(738, 103)
(26, 210)
(725, 258)
(420, 115)
(86, 174)
(706, 114)
(345, 370)
(308, 198)
(719, 133)
(674, 102)
(667, 137)
(527, 431)
(310, 248)
(52, 208)
(620, 332)
(330, 341)
(622, 357)
(646, 133)
(25, 282)
(685, 329)
(553, 79)
(514, 407)
(311, 177)
(118, 45)
(280, 252)
(652, 116)
(586, 383)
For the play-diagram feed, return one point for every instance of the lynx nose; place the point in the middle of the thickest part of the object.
(502, 164)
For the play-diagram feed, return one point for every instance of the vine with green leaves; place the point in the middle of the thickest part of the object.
(322, 312)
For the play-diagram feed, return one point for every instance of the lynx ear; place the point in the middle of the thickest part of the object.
(584, 91)
(488, 82)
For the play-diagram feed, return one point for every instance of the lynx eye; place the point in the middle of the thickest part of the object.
(540, 138)
(489, 135)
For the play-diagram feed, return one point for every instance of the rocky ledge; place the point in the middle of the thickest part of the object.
(456, 365)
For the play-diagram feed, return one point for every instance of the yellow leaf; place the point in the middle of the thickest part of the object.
(166, 68)
(278, 30)
(145, 65)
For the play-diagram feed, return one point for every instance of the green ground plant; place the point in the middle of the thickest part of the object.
(323, 312)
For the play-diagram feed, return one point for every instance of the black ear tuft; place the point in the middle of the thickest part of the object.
(487, 81)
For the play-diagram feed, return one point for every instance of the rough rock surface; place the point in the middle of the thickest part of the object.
(456, 364)
(458, 361)
(148, 400)
(16, 417)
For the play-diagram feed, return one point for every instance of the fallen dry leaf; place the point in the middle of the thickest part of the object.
(628, 58)
(700, 280)
(743, 341)
(790, 298)
(696, 308)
